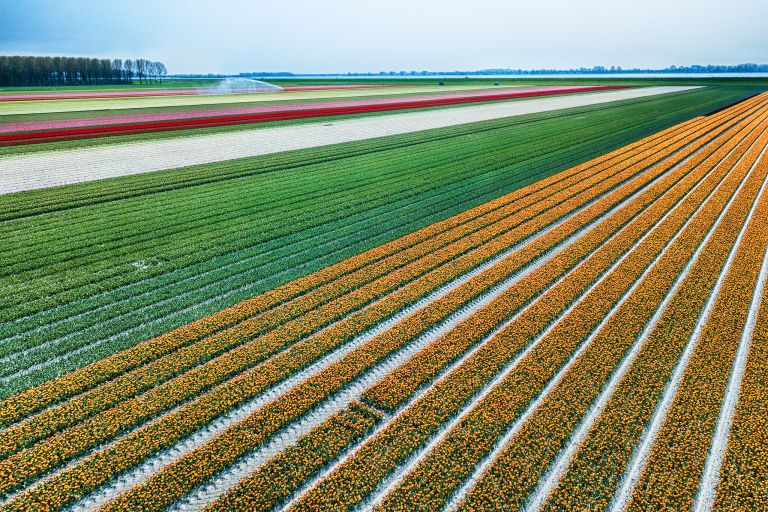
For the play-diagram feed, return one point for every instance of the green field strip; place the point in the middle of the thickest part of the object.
(480, 176)
(343, 180)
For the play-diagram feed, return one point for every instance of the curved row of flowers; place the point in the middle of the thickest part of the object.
(232, 395)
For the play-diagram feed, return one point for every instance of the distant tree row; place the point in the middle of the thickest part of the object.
(25, 71)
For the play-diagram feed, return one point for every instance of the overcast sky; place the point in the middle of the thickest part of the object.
(229, 36)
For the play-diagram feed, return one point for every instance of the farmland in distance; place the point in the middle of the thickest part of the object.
(557, 308)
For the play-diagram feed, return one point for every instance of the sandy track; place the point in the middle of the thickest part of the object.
(53, 168)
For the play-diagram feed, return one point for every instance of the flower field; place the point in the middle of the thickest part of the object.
(472, 318)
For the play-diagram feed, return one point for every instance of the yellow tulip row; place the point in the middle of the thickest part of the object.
(102, 466)
(17, 407)
(361, 473)
(672, 473)
(275, 481)
(196, 467)
(744, 474)
(516, 471)
(394, 389)
(600, 461)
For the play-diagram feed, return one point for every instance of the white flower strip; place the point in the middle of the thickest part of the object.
(52, 168)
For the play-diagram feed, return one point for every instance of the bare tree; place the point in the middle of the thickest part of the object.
(28, 70)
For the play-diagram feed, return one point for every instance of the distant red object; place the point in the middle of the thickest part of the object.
(287, 112)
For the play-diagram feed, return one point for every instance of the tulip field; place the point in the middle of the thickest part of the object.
(562, 310)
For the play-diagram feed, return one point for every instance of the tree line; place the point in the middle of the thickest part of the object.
(16, 71)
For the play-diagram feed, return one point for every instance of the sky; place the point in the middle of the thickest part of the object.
(337, 36)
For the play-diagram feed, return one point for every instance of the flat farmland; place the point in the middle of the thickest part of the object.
(542, 309)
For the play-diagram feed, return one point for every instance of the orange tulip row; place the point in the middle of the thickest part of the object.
(515, 472)
(600, 461)
(286, 321)
(672, 473)
(393, 390)
(17, 407)
(361, 473)
(102, 466)
(744, 474)
(455, 457)
(201, 464)
(275, 481)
